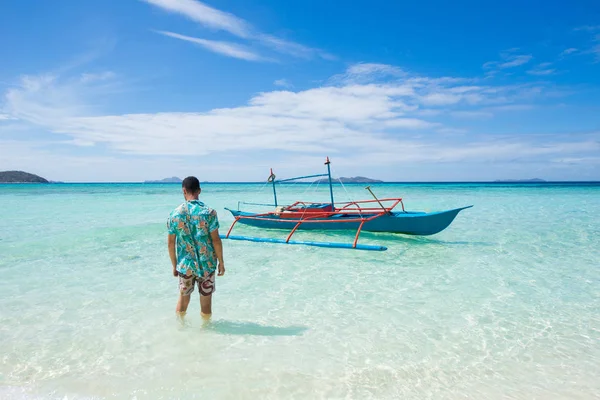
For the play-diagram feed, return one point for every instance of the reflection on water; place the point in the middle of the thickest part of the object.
(420, 240)
(251, 328)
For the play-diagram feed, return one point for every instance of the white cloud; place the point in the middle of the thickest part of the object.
(374, 69)
(291, 48)
(568, 51)
(452, 131)
(223, 21)
(5, 117)
(43, 158)
(472, 114)
(511, 107)
(102, 76)
(283, 83)
(588, 28)
(225, 48)
(515, 61)
(542, 69)
(367, 72)
(593, 45)
(409, 123)
(440, 99)
(578, 160)
(542, 72)
(509, 59)
(381, 123)
(428, 112)
(206, 15)
(595, 49)
(506, 148)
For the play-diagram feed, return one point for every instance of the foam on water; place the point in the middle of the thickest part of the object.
(503, 304)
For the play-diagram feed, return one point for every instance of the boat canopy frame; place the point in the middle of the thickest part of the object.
(273, 180)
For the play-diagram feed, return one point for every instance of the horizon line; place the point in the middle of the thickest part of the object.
(524, 181)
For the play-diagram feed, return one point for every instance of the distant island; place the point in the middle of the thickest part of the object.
(534, 180)
(173, 179)
(355, 179)
(20, 177)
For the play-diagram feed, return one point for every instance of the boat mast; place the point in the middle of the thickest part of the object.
(330, 185)
(272, 179)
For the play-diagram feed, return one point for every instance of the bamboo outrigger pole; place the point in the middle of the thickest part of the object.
(307, 243)
(373, 194)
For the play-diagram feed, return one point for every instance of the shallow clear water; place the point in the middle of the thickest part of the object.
(505, 303)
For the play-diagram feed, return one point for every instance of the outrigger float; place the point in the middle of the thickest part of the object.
(375, 215)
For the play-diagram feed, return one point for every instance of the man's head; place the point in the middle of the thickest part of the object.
(191, 187)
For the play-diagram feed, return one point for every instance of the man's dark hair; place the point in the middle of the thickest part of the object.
(191, 184)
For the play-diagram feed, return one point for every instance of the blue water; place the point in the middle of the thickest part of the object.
(505, 303)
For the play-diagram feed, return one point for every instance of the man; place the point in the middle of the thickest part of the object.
(195, 248)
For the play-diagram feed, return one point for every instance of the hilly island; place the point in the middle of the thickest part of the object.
(20, 177)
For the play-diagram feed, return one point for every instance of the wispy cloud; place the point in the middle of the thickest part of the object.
(515, 61)
(508, 59)
(293, 49)
(595, 49)
(542, 69)
(578, 160)
(593, 45)
(374, 70)
(224, 48)
(472, 114)
(440, 99)
(206, 15)
(511, 107)
(102, 76)
(283, 83)
(568, 51)
(367, 72)
(588, 28)
(219, 20)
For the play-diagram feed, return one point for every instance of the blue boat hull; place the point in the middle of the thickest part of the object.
(409, 223)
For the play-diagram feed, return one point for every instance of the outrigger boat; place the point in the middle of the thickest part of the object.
(375, 215)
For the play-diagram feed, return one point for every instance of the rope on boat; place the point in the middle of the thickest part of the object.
(310, 186)
(349, 197)
(264, 186)
(317, 187)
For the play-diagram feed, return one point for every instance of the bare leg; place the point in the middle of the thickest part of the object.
(182, 304)
(205, 306)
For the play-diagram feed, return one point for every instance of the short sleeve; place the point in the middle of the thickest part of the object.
(213, 221)
(172, 224)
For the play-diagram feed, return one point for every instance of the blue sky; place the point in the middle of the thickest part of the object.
(128, 90)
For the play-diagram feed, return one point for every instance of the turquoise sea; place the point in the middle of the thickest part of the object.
(504, 304)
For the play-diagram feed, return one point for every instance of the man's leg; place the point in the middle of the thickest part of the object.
(182, 303)
(205, 306)
(186, 287)
(206, 289)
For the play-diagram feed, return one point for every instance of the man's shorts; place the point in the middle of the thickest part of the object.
(206, 286)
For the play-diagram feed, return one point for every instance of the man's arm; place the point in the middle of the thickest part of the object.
(172, 254)
(218, 246)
